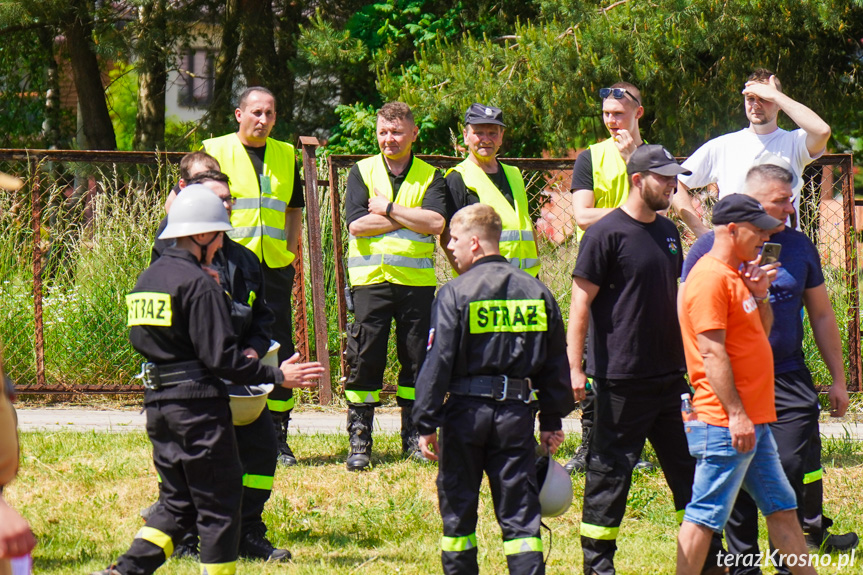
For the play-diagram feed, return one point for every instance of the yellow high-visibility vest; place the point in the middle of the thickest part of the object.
(517, 242)
(402, 256)
(610, 180)
(258, 215)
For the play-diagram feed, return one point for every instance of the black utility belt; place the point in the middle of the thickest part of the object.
(156, 377)
(497, 387)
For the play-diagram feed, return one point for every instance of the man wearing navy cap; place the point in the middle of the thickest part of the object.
(624, 292)
(481, 178)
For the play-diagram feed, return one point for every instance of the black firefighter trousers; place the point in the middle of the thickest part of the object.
(627, 413)
(376, 307)
(482, 435)
(278, 286)
(195, 454)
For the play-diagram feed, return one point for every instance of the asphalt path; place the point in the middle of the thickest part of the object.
(311, 421)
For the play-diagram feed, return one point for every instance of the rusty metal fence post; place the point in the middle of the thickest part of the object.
(36, 219)
(313, 227)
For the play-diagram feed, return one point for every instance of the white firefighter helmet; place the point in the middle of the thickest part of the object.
(197, 210)
(272, 357)
(248, 402)
(555, 491)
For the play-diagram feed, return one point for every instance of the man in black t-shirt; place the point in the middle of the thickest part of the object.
(625, 291)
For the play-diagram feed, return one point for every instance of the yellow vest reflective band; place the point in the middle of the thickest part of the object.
(402, 256)
(258, 215)
(516, 241)
(610, 180)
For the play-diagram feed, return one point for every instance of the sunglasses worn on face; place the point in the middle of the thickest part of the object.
(618, 94)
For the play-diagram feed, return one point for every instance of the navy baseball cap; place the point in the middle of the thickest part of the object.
(654, 158)
(740, 208)
(482, 114)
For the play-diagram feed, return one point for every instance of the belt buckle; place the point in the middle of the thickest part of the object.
(530, 396)
(505, 388)
(149, 376)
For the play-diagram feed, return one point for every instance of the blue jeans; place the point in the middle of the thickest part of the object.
(721, 471)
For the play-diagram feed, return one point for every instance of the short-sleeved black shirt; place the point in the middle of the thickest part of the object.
(459, 195)
(634, 332)
(256, 155)
(582, 172)
(357, 195)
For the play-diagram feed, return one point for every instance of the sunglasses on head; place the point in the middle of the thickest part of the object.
(617, 93)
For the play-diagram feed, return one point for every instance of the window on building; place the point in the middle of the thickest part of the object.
(196, 78)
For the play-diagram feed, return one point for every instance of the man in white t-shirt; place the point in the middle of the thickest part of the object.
(726, 160)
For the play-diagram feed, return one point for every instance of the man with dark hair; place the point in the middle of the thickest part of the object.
(191, 164)
(267, 219)
(600, 184)
(799, 284)
(624, 293)
(394, 206)
(725, 318)
(496, 348)
(238, 272)
(726, 160)
(482, 178)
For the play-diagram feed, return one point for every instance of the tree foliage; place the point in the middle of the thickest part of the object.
(690, 59)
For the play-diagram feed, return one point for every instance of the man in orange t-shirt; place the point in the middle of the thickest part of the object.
(725, 317)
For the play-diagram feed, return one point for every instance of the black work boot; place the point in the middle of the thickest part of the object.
(410, 436)
(578, 463)
(281, 420)
(187, 547)
(360, 420)
(255, 545)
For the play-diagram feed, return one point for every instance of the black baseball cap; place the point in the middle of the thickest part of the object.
(654, 158)
(482, 114)
(740, 208)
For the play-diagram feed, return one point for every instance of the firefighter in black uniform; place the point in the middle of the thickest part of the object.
(239, 275)
(497, 346)
(180, 323)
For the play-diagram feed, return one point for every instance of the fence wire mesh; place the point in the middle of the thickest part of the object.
(72, 242)
(828, 199)
(74, 239)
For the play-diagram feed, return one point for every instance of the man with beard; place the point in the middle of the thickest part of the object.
(625, 290)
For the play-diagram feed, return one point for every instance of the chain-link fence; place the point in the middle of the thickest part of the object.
(74, 239)
(827, 216)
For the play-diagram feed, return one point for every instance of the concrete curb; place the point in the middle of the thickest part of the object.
(387, 420)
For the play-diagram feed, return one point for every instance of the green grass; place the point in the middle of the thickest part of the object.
(82, 493)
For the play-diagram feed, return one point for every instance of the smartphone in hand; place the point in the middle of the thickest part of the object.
(770, 253)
